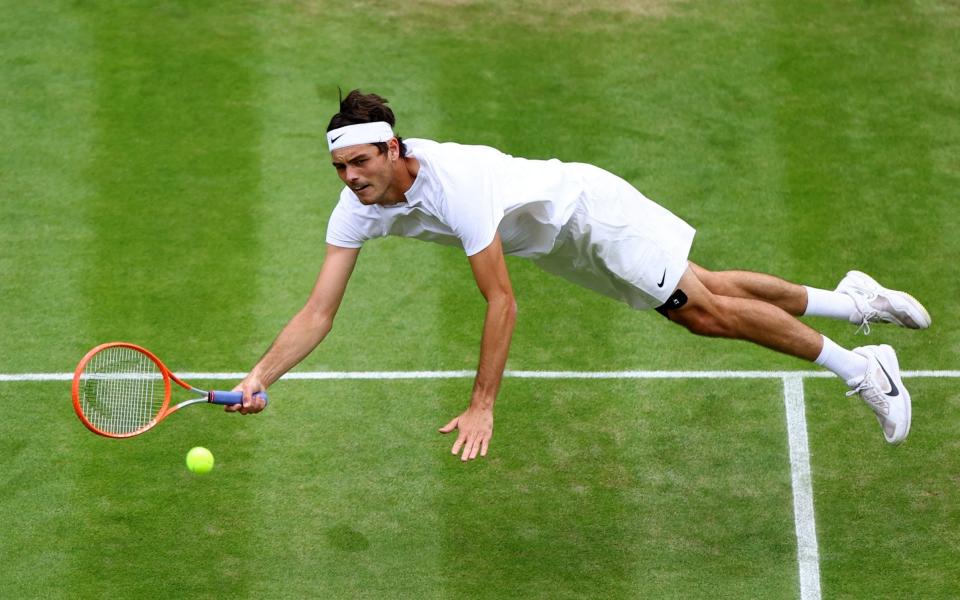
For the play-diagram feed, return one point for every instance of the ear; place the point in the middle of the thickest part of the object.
(393, 149)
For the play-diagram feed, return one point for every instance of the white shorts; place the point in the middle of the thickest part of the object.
(620, 243)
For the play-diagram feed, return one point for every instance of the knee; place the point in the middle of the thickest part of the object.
(703, 320)
(709, 279)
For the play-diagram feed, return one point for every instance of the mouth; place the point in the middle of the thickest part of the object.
(359, 188)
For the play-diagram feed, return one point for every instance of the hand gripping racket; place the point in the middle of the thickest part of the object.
(121, 390)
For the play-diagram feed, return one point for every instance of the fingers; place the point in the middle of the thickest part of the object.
(251, 402)
(467, 447)
(458, 444)
(251, 405)
(475, 446)
(474, 449)
(247, 403)
(450, 426)
(474, 436)
(465, 441)
(245, 407)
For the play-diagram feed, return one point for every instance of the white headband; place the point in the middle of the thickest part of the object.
(361, 133)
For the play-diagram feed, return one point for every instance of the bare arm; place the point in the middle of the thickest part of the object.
(476, 423)
(304, 331)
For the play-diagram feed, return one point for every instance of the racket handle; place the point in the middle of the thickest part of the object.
(221, 397)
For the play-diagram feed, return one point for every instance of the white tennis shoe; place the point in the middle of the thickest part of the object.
(883, 391)
(877, 304)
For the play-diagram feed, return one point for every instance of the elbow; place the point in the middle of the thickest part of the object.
(323, 324)
(506, 305)
(318, 321)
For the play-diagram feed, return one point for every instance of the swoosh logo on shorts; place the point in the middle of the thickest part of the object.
(662, 279)
(893, 387)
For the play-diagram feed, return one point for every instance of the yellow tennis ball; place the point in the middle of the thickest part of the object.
(200, 460)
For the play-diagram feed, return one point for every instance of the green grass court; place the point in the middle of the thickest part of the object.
(164, 180)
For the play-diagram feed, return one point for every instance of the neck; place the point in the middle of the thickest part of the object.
(404, 173)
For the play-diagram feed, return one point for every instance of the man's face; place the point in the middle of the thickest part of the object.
(365, 170)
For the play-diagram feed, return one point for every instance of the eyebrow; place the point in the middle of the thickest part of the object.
(354, 159)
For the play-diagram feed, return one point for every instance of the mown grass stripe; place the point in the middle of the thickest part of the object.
(175, 174)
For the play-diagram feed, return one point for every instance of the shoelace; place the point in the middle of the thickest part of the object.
(865, 315)
(865, 323)
(875, 399)
(868, 315)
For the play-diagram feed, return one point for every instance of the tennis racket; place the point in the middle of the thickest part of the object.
(121, 390)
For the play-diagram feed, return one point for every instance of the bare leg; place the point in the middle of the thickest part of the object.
(755, 315)
(790, 297)
(758, 313)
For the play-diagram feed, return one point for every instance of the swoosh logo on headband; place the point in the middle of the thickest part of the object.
(334, 140)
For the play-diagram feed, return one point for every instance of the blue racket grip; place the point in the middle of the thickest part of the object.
(221, 397)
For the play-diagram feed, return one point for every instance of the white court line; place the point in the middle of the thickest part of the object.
(808, 557)
(370, 375)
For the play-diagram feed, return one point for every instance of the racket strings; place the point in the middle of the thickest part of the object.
(121, 390)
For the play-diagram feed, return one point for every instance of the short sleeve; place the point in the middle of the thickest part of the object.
(473, 209)
(347, 228)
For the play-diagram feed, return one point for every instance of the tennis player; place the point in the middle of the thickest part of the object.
(581, 223)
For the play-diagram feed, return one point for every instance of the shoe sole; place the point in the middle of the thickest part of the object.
(925, 320)
(918, 313)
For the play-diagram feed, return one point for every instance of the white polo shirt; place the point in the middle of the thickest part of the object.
(574, 220)
(462, 196)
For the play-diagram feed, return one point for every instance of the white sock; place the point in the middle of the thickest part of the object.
(827, 303)
(848, 365)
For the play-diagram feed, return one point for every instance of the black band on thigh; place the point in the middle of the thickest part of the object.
(674, 302)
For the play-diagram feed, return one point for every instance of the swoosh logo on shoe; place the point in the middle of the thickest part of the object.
(894, 391)
(662, 279)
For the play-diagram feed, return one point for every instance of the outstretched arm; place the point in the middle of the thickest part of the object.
(475, 425)
(304, 331)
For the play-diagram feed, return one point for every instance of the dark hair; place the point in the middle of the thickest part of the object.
(358, 107)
